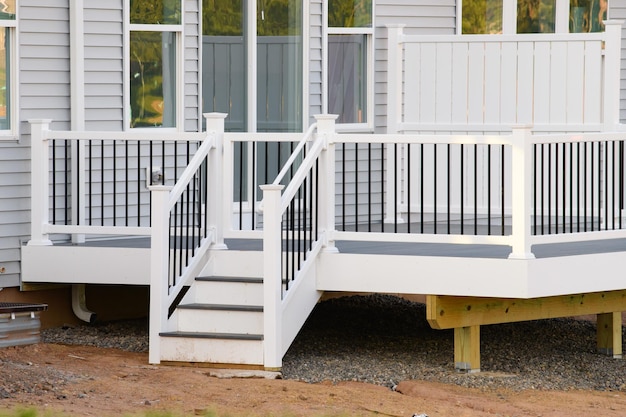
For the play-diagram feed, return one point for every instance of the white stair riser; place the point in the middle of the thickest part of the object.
(234, 263)
(233, 293)
(226, 351)
(220, 321)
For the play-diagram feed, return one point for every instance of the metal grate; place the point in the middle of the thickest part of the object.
(21, 307)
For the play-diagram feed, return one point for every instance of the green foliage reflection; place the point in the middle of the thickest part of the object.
(587, 15)
(222, 18)
(274, 17)
(482, 16)
(279, 18)
(148, 103)
(350, 13)
(146, 12)
(536, 16)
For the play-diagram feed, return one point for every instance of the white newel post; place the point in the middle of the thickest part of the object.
(159, 248)
(272, 278)
(612, 68)
(326, 197)
(39, 180)
(216, 183)
(227, 177)
(521, 182)
(394, 113)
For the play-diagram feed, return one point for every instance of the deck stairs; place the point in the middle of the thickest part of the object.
(219, 321)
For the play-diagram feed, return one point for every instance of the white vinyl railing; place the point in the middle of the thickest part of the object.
(97, 183)
(489, 83)
(182, 221)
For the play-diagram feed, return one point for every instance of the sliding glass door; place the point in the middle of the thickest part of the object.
(269, 75)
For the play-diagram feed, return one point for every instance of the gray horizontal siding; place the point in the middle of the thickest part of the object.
(191, 76)
(315, 60)
(44, 93)
(44, 60)
(104, 65)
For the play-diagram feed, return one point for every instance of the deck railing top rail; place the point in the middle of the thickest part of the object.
(500, 38)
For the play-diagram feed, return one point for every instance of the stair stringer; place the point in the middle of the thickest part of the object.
(300, 301)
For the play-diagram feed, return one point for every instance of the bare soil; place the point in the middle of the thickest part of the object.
(91, 381)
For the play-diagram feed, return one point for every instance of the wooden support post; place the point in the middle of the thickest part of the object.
(609, 334)
(466, 314)
(467, 349)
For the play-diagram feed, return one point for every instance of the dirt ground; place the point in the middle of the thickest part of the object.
(89, 381)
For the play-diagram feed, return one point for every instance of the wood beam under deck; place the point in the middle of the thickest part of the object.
(466, 314)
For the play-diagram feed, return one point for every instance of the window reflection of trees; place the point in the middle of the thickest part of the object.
(151, 12)
(533, 16)
(587, 15)
(152, 72)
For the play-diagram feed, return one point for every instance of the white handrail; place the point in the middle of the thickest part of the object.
(295, 154)
(143, 135)
(300, 175)
(191, 169)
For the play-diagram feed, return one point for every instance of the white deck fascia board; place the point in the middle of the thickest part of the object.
(576, 274)
(85, 265)
(477, 277)
(438, 275)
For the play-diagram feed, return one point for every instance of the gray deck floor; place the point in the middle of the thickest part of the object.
(413, 249)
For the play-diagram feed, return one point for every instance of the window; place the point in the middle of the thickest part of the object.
(350, 32)
(252, 69)
(155, 28)
(7, 67)
(536, 16)
(482, 16)
(587, 15)
(533, 16)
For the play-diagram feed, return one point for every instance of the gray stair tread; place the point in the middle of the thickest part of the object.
(208, 335)
(221, 307)
(247, 280)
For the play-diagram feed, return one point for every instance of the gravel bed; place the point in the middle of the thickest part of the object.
(384, 339)
(129, 335)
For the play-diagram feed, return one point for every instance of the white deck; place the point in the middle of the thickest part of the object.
(427, 166)
(383, 267)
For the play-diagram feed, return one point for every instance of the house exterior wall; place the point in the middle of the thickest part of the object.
(44, 92)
